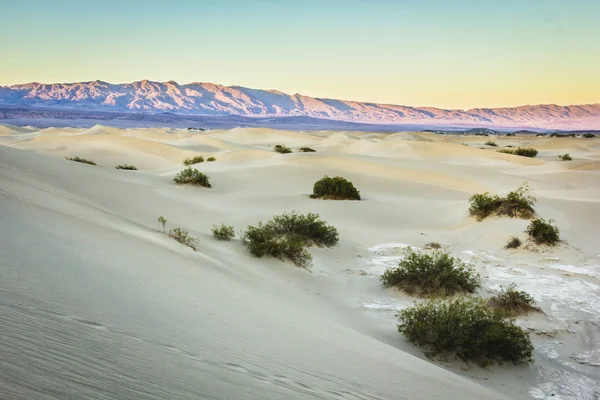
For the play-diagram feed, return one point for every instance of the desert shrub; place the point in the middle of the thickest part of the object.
(517, 204)
(162, 221)
(467, 328)
(223, 232)
(433, 246)
(542, 232)
(282, 149)
(306, 150)
(336, 188)
(287, 235)
(512, 302)
(80, 160)
(520, 151)
(510, 134)
(490, 143)
(211, 159)
(565, 157)
(562, 135)
(434, 274)
(191, 176)
(506, 151)
(194, 160)
(127, 167)
(513, 243)
(183, 237)
(588, 135)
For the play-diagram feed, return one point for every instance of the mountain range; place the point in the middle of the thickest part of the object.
(208, 99)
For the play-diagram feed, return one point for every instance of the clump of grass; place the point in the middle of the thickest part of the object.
(191, 176)
(490, 143)
(517, 204)
(183, 237)
(306, 150)
(467, 328)
(127, 167)
(513, 243)
(336, 188)
(543, 232)
(286, 236)
(211, 159)
(512, 302)
(588, 135)
(194, 160)
(433, 246)
(435, 274)
(162, 221)
(565, 157)
(81, 160)
(282, 149)
(520, 151)
(223, 232)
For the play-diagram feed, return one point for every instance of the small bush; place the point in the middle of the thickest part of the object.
(435, 274)
(282, 149)
(565, 157)
(211, 159)
(194, 160)
(306, 150)
(490, 143)
(542, 232)
(127, 167)
(223, 232)
(510, 134)
(513, 243)
(336, 188)
(526, 152)
(183, 237)
(588, 135)
(287, 235)
(191, 176)
(512, 302)
(517, 204)
(467, 328)
(506, 151)
(433, 246)
(81, 160)
(162, 221)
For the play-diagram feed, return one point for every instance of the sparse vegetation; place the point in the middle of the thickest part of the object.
(517, 204)
(513, 243)
(183, 237)
(490, 143)
(512, 302)
(467, 328)
(194, 160)
(211, 159)
(306, 150)
(588, 135)
(562, 135)
(506, 151)
(81, 160)
(520, 151)
(287, 235)
(162, 221)
(543, 232)
(565, 157)
(336, 188)
(127, 167)
(435, 274)
(510, 134)
(223, 232)
(282, 149)
(191, 176)
(433, 246)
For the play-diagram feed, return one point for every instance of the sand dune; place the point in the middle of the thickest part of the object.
(98, 303)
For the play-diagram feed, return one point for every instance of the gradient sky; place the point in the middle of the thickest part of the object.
(444, 53)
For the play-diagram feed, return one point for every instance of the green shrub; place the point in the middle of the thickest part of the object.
(306, 150)
(490, 143)
(520, 151)
(517, 204)
(506, 151)
(588, 135)
(512, 302)
(542, 232)
(183, 237)
(513, 243)
(127, 167)
(162, 221)
(194, 160)
(435, 274)
(223, 232)
(467, 328)
(81, 160)
(287, 235)
(565, 157)
(282, 149)
(336, 188)
(191, 176)
(211, 159)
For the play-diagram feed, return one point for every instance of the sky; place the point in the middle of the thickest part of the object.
(441, 53)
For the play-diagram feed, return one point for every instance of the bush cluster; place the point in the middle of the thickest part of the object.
(562, 135)
(543, 232)
(490, 143)
(191, 176)
(80, 160)
(282, 149)
(512, 302)
(588, 135)
(306, 150)
(565, 157)
(223, 232)
(518, 203)
(127, 167)
(435, 274)
(521, 151)
(194, 160)
(211, 159)
(336, 188)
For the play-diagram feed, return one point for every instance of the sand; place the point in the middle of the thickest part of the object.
(98, 303)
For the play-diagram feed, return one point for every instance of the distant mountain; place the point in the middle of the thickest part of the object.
(216, 100)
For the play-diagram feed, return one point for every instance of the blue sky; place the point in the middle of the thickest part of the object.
(453, 53)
